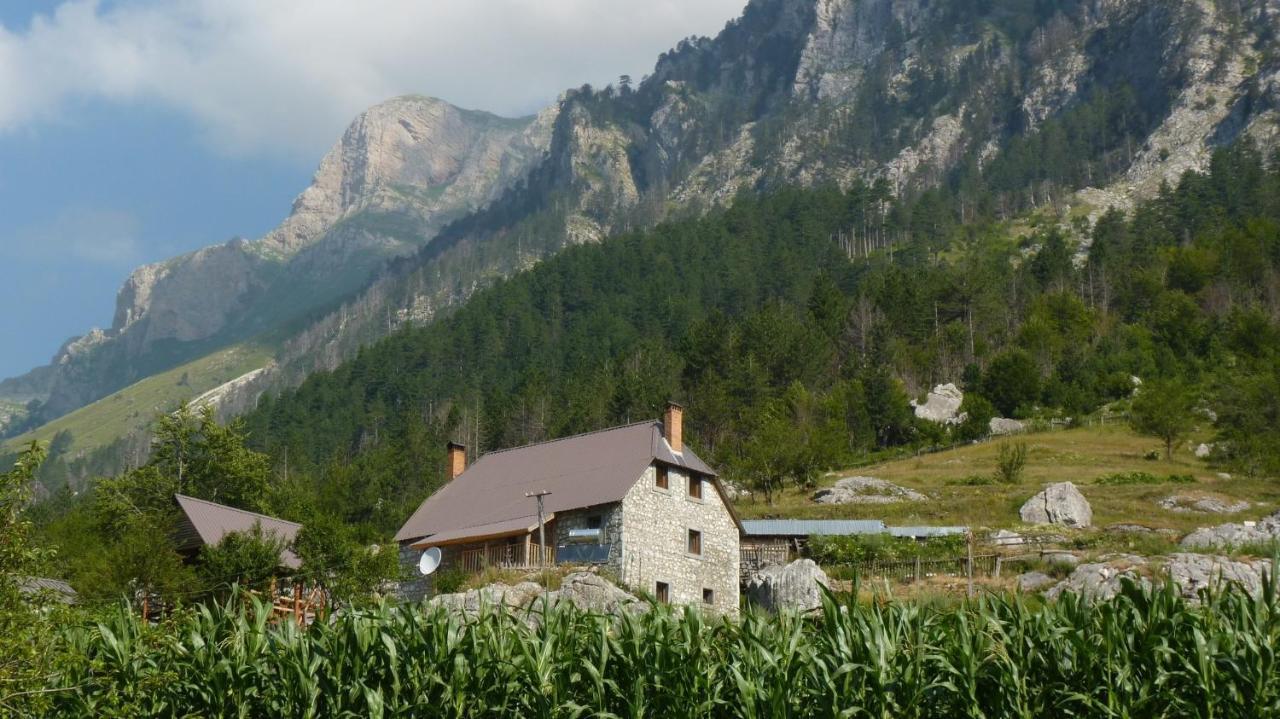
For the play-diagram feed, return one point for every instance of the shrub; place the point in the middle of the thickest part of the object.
(1125, 478)
(1011, 461)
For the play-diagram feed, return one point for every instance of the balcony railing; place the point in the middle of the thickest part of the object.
(507, 556)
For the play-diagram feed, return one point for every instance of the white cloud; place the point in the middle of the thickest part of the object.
(86, 235)
(288, 75)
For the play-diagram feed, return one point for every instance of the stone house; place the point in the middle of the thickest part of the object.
(633, 500)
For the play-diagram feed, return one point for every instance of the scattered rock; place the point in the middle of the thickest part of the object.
(1060, 556)
(999, 426)
(942, 405)
(1059, 503)
(866, 490)
(1140, 529)
(1235, 534)
(1034, 581)
(1007, 538)
(793, 587)
(1207, 504)
(1224, 475)
(1203, 450)
(1194, 572)
(593, 593)
(1101, 580)
(733, 490)
(470, 602)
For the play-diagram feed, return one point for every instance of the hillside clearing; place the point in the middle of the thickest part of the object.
(1077, 455)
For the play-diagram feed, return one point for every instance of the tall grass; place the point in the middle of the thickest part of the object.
(1147, 653)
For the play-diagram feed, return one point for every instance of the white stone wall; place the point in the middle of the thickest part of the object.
(655, 524)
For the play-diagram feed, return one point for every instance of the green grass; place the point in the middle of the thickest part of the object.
(1080, 455)
(136, 406)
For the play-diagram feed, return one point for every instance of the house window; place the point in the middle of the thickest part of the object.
(663, 592)
(695, 542)
(708, 596)
(695, 486)
(662, 481)
(593, 522)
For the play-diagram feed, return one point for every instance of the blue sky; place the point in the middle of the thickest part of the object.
(134, 130)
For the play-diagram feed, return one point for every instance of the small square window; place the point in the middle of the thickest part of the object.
(708, 596)
(695, 486)
(593, 522)
(695, 542)
(663, 592)
(662, 481)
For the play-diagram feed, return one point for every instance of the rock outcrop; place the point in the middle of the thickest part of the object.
(999, 426)
(1060, 504)
(866, 490)
(1104, 579)
(1192, 573)
(1206, 504)
(1235, 534)
(942, 405)
(586, 591)
(794, 587)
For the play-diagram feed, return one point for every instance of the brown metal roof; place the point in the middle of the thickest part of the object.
(582, 471)
(208, 522)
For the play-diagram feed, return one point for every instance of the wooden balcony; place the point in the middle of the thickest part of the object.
(524, 555)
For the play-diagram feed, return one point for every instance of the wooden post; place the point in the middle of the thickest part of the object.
(917, 569)
(145, 596)
(297, 602)
(968, 565)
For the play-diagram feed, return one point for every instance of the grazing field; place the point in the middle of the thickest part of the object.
(1144, 654)
(961, 491)
(135, 407)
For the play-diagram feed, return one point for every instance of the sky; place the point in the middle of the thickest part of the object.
(135, 130)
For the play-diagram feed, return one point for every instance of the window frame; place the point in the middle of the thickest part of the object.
(708, 595)
(662, 592)
(693, 542)
(662, 478)
(695, 480)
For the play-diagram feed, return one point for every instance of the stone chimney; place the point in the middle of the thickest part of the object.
(457, 460)
(673, 426)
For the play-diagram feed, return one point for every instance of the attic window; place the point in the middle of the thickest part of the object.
(662, 591)
(695, 542)
(662, 481)
(695, 486)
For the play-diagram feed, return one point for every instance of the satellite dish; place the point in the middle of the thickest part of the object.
(430, 561)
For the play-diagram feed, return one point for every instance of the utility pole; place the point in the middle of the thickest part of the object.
(542, 526)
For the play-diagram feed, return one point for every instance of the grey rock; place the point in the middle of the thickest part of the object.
(593, 593)
(793, 587)
(1203, 450)
(1208, 505)
(472, 601)
(1034, 581)
(1123, 528)
(1060, 504)
(1234, 534)
(1101, 580)
(999, 426)
(1194, 572)
(1007, 538)
(866, 490)
(1060, 556)
(942, 405)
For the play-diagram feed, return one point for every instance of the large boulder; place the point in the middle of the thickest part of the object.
(593, 593)
(942, 405)
(1236, 534)
(1060, 504)
(471, 601)
(1003, 425)
(794, 587)
(1194, 572)
(1101, 580)
(1034, 581)
(866, 490)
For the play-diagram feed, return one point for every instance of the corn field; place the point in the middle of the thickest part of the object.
(1147, 653)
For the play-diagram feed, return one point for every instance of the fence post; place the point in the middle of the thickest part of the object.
(968, 563)
(917, 569)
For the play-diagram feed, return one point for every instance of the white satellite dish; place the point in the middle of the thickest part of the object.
(430, 561)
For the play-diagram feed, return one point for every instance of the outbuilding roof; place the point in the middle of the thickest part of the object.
(586, 470)
(206, 523)
(810, 527)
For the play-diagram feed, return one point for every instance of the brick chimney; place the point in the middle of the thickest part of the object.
(673, 426)
(457, 460)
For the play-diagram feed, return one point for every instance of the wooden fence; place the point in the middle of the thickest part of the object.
(753, 558)
(507, 556)
(911, 570)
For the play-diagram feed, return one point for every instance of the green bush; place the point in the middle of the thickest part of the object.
(838, 550)
(448, 581)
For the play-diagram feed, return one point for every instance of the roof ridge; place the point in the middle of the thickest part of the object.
(236, 509)
(572, 436)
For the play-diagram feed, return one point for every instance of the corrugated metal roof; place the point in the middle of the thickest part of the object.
(917, 532)
(582, 471)
(208, 522)
(809, 527)
(54, 587)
